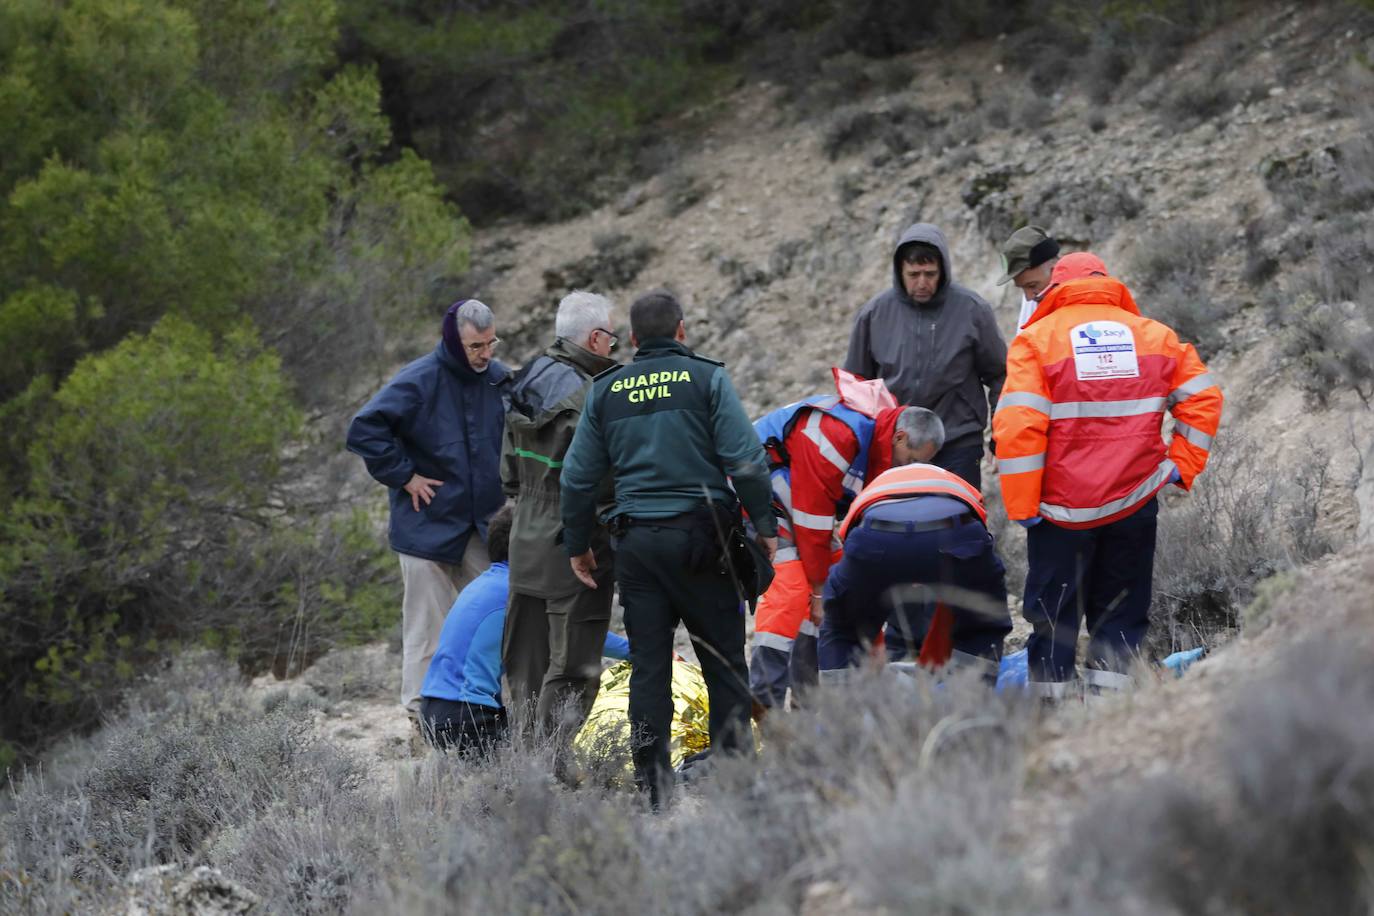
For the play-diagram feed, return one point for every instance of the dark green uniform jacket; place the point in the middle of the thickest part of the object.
(666, 424)
(546, 402)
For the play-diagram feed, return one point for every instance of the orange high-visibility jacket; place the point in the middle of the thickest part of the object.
(1078, 428)
(913, 480)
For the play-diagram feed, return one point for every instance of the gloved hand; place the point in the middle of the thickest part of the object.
(1174, 476)
(1028, 522)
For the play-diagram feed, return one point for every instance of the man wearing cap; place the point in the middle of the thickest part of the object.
(936, 345)
(432, 436)
(1081, 457)
(1028, 258)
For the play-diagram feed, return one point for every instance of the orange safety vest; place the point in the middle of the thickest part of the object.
(921, 480)
(1078, 424)
(914, 480)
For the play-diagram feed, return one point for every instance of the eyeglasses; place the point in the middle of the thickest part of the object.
(478, 347)
(614, 339)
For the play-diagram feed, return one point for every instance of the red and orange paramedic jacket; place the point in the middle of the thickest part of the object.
(821, 448)
(1078, 427)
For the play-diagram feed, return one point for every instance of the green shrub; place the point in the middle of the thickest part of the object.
(205, 229)
(151, 459)
(216, 164)
(158, 516)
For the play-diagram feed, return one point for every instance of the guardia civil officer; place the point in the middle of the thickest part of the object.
(670, 428)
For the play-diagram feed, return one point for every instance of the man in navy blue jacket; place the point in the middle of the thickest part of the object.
(433, 436)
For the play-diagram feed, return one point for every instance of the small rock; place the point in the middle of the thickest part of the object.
(631, 199)
(826, 897)
(165, 890)
(1063, 763)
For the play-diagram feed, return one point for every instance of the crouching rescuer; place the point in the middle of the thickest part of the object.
(820, 451)
(917, 546)
(1081, 458)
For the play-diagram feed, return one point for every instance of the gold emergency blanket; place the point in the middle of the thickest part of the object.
(607, 730)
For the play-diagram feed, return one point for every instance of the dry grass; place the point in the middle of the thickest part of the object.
(890, 793)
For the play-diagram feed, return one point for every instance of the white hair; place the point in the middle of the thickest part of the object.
(921, 426)
(475, 314)
(580, 313)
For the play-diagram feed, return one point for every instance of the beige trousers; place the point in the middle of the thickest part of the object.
(430, 589)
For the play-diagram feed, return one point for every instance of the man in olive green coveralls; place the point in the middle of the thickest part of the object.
(666, 426)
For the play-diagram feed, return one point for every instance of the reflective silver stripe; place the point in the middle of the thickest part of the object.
(837, 677)
(764, 640)
(1108, 680)
(808, 628)
(1191, 387)
(1021, 465)
(1148, 486)
(812, 431)
(782, 490)
(812, 522)
(906, 487)
(1024, 399)
(785, 555)
(1193, 435)
(1076, 410)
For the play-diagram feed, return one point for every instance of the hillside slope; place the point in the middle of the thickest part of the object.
(1222, 191)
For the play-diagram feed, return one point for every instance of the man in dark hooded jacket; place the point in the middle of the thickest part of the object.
(433, 436)
(936, 345)
(555, 625)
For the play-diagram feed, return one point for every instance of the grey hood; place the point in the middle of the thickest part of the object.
(946, 355)
(930, 235)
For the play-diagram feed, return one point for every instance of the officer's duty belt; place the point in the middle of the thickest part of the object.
(954, 521)
(686, 521)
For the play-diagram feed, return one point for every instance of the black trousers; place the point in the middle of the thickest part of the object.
(468, 728)
(657, 592)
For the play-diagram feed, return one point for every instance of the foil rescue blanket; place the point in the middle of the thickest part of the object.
(607, 730)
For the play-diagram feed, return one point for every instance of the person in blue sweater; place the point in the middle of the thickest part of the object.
(460, 699)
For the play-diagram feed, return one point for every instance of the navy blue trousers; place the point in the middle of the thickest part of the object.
(866, 586)
(905, 628)
(470, 729)
(1102, 575)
